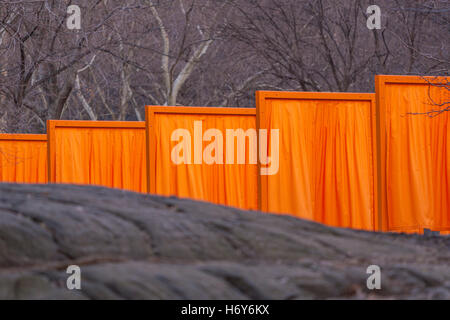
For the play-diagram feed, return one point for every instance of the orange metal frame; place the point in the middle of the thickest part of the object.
(52, 125)
(380, 88)
(151, 111)
(263, 96)
(23, 137)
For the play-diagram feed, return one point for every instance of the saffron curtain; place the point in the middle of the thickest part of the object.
(226, 184)
(327, 165)
(114, 157)
(327, 169)
(416, 154)
(23, 158)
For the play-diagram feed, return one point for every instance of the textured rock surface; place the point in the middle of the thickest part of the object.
(144, 247)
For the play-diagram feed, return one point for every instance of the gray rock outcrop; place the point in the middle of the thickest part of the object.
(134, 246)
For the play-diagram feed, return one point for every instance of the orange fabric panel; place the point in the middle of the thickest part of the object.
(416, 155)
(226, 184)
(327, 164)
(99, 153)
(23, 158)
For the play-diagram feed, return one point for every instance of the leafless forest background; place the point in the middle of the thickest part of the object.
(132, 53)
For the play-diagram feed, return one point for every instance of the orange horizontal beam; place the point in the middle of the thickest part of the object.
(412, 79)
(23, 137)
(96, 124)
(315, 95)
(201, 110)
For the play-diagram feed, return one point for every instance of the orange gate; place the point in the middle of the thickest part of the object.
(191, 154)
(327, 156)
(107, 153)
(415, 153)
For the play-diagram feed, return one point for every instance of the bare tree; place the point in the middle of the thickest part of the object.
(43, 59)
(132, 53)
(309, 45)
(325, 45)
